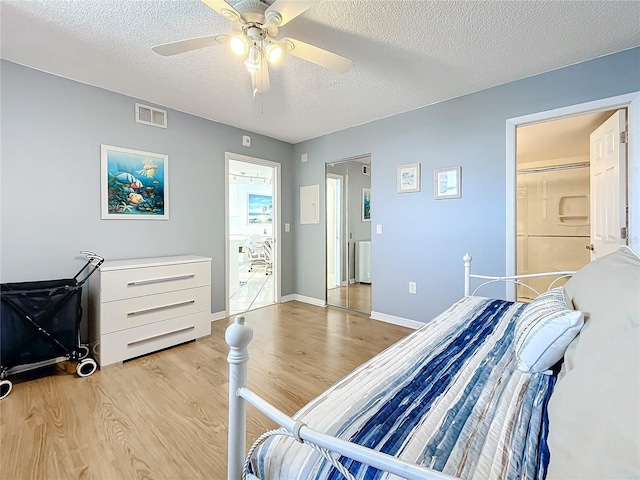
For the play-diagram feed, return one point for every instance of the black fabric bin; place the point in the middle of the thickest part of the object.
(39, 320)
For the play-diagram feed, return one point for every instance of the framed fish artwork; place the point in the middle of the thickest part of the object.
(134, 184)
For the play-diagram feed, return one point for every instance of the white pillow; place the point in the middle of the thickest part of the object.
(607, 290)
(545, 329)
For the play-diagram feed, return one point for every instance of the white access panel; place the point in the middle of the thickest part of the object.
(309, 204)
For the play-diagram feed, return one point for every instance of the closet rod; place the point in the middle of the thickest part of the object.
(553, 168)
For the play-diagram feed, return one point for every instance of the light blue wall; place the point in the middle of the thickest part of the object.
(424, 239)
(52, 129)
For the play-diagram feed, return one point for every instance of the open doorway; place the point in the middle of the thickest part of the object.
(553, 196)
(571, 193)
(252, 224)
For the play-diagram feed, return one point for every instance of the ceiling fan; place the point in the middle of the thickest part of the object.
(256, 27)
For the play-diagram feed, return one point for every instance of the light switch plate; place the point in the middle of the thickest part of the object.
(287, 227)
(379, 229)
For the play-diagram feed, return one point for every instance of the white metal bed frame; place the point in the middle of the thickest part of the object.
(238, 335)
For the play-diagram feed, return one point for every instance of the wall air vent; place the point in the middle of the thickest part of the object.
(151, 116)
(366, 169)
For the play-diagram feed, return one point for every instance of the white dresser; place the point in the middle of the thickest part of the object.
(142, 305)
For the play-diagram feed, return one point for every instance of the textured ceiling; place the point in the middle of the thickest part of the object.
(406, 54)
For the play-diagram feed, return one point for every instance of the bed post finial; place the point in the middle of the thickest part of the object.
(467, 273)
(238, 336)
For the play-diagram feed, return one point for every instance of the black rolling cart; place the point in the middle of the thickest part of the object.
(40, 324)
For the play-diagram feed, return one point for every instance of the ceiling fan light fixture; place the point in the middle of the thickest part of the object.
(238, 45)
(255, 38)
(254, 59)
(274, 53)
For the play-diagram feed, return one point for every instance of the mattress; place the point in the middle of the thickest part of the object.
(448, 397)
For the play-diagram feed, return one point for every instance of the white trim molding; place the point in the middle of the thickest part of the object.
(215, 316)
(302, 298)
(404, 322)
(631, 101)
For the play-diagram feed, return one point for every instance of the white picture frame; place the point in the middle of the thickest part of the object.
(447, 183)
(408, 178)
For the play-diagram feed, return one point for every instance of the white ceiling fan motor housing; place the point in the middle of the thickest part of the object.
(252, 11)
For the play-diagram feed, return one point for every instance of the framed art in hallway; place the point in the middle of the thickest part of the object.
(446, 183)
(134, 185)
(366, 204)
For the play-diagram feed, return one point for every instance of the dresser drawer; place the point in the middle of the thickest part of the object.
(133, 312)
(125, 344)
(130, 283)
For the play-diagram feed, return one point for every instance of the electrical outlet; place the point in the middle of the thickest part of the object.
(379, 229)
(287, 227)
(412, 287)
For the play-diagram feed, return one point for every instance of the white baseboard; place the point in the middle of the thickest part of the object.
(405, 322)
(301, 298)
(218, 316)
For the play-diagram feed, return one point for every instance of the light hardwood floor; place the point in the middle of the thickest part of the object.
(164, 416)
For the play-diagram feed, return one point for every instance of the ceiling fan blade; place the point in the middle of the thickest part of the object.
(287, 10)
(223, 8)
(260, 79)
(317, 55)
(182, 46)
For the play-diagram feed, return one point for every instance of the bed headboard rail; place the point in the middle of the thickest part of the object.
(510, 278)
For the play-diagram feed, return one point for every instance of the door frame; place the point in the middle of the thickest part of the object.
(630, 101)
(275, 228)
(337, 258)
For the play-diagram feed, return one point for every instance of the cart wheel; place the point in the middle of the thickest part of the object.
(86, 367)
(83, 351)
(5, 388)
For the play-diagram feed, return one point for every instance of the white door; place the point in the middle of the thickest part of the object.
(608, 186)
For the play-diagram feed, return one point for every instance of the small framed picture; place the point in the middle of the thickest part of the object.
(446, 183)
(366, 204)
(408, 178)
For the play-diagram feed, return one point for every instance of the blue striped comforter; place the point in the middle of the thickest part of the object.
(448, 396)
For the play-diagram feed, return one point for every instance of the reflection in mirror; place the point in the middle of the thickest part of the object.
(348, 197)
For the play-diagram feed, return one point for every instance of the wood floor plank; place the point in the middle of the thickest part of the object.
(164, 416)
